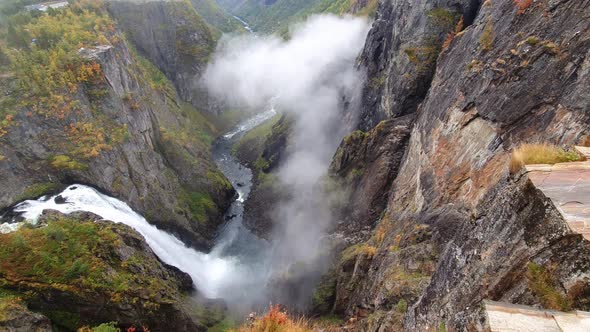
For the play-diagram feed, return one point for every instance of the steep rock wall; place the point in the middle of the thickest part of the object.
(459, 227)
(173, 36)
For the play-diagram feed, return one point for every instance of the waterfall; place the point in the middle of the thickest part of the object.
(236, 263)
(207, 271)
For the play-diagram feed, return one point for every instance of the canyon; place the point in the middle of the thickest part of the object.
(359, 168)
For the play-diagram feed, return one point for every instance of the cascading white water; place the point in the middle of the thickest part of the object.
(233, 265)
(207, 271)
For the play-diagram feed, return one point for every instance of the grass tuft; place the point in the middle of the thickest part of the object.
(541, 153)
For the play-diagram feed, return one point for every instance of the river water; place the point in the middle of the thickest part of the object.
(236, 264)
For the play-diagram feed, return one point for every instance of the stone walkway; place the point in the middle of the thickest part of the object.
(568, 186)
(506, 317)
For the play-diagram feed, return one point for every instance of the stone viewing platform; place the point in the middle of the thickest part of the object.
(568, 186)
(506, 317)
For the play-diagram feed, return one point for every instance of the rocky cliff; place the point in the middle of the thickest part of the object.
(104, 116)
(478, 79)
(174, 37)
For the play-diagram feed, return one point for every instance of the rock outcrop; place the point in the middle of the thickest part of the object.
(107, 274)
(459, 227)
(264, 154)
(16, 317)
(125, 132)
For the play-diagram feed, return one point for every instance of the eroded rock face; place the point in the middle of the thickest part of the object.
(175, 38)
(458, 227)
(141, 160)
(401, 52)
(367, 163)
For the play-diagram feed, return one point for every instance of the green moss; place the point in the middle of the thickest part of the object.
(37, 190)
(218, 180)
(261, 164)
(543, 284)
(355, 174)
(378, 81)
(199, 204)
(355, 136)
(105, 327)
(63, 162)
(532, 40)
(325, 293)
(63, 320)
(256, 137)
(401, 306)
(9, 305)
(76, 257)
(354, 251)
(444, 18)
(424, 55)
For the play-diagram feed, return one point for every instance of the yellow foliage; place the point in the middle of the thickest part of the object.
(540, 153)
(486, 39)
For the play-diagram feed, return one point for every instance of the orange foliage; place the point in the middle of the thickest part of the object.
(277, 321)
(90, 140)
(5, 124)
(275, 316)
(523, 5)
(451, 35)
(89, 72)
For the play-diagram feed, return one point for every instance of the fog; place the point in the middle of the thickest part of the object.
(306, 77)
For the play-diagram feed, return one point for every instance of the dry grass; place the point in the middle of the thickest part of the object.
(544, 153)
(277, 320)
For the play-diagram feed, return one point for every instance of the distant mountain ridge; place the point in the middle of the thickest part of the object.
(276, 15)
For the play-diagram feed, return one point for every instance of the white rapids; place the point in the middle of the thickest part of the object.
(207, 270)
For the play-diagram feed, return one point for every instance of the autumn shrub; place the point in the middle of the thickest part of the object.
(451, 35)
(354, 251)
(523, 5)
(541, 153)
(277, 320)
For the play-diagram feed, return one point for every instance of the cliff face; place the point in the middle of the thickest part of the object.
(458, 227)
(173, 36)
(401, 52)
(123, 130)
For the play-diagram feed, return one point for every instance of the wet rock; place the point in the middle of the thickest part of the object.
(180, 50)
(59, 199)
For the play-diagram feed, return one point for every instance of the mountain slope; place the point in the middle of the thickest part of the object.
(216, 16)
(276, 16)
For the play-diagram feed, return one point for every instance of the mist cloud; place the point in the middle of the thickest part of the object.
(305, 77)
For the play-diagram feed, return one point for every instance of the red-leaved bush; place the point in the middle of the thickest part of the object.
(523, 5)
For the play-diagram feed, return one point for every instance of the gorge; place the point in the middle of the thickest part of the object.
(385, 165)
